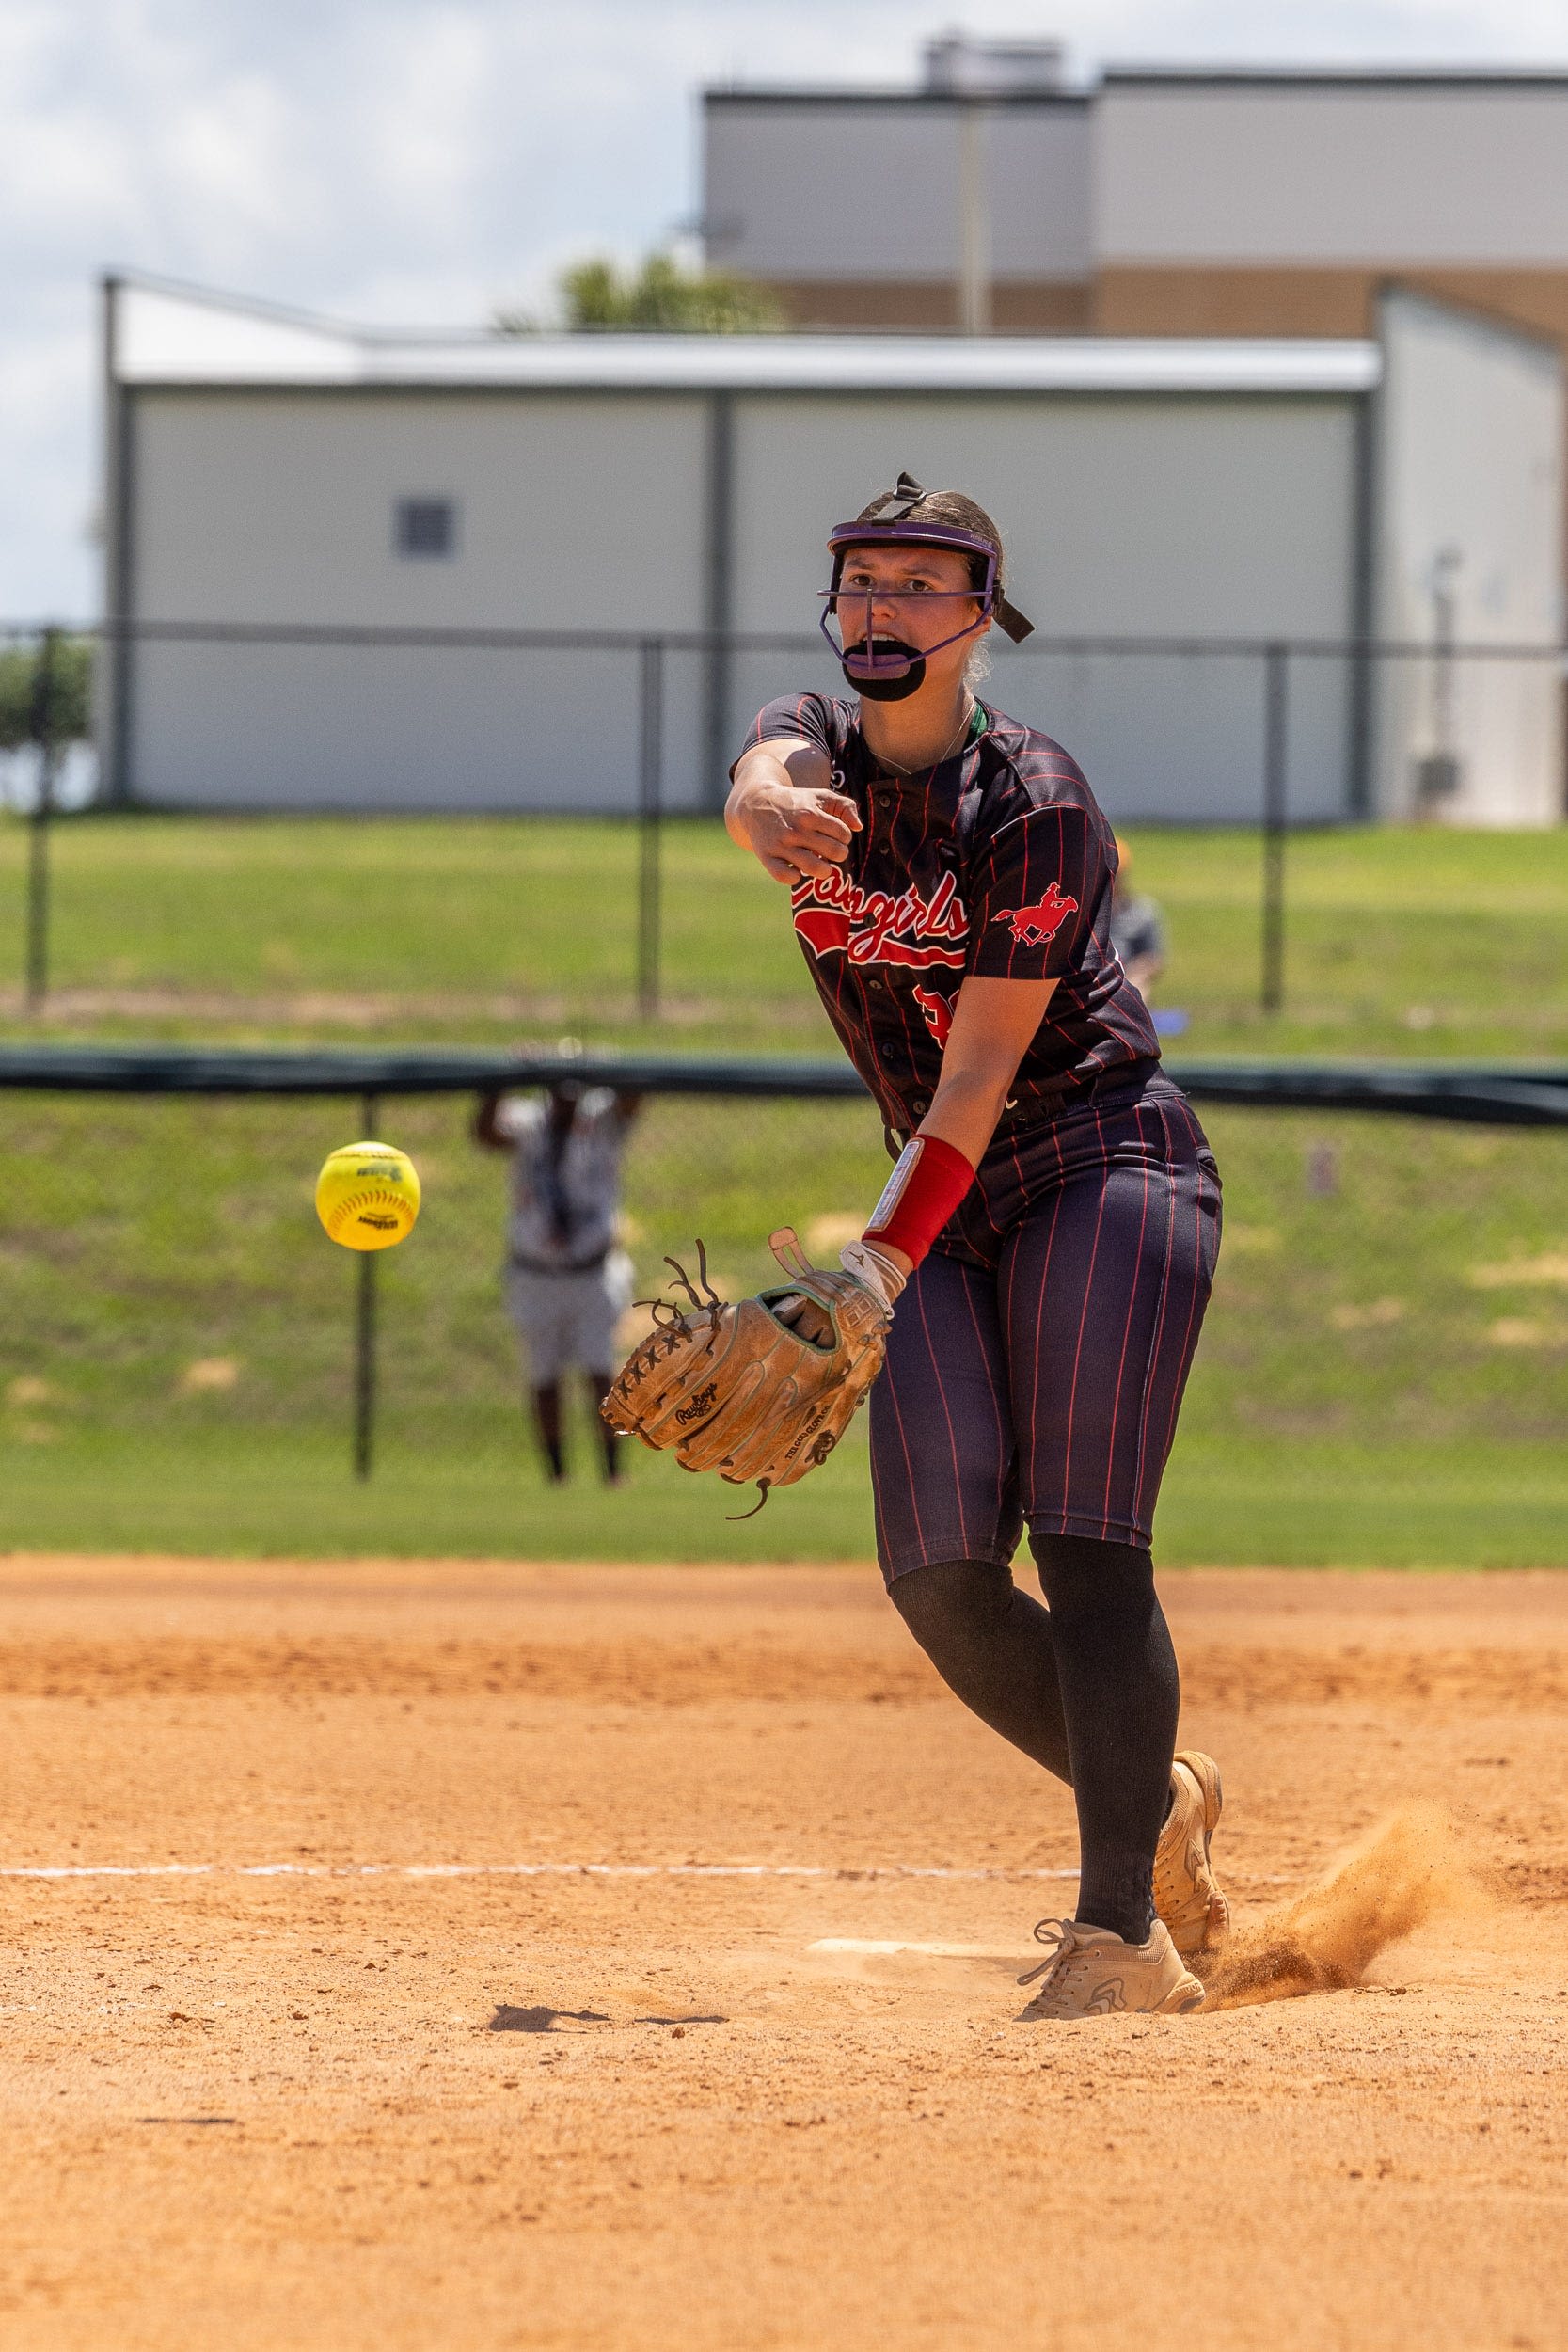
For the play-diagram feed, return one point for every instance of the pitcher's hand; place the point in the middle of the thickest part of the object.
(797, 833)
(795, 826)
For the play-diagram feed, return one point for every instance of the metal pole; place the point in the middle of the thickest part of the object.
(1276, 658)
(651, 808)
(718, 598)
(974, 222)
(44, 730)
(364, 1331)
(117, 647)
(1363, 682)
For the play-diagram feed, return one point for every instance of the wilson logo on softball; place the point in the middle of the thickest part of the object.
(1037, 925)
(835, 916)
(368, 1195)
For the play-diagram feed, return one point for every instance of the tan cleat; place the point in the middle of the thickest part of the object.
(1092, 1973)
(1187, 1895)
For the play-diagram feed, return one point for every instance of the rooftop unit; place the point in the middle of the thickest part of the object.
(958, 67)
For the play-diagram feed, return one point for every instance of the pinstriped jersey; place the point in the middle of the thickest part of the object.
(998, 861)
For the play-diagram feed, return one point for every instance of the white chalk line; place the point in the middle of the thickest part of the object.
(507, 1871)
(878, 1949)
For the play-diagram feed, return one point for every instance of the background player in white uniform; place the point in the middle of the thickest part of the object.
(567, 1281)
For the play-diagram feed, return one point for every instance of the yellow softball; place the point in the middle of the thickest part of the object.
(368, 1195)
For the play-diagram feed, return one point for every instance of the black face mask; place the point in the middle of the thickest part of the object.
(874, 688)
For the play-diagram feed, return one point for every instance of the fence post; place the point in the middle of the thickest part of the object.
(43, 728)
(364, 1332)
(1275, 824)
(651, 813)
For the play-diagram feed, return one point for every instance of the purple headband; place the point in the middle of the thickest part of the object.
(889, 525)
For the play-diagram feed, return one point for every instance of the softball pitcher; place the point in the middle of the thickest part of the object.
(1047, 1240)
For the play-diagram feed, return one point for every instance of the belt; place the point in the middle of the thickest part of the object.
(558, 1266)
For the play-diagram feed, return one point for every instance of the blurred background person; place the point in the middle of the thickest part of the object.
(1137, 928)
(567, 1281)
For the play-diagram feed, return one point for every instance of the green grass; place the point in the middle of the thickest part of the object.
(1381, 1505)
(1282, 1506)
(471, 927)
(1384, 1376)
(243, 1498)
(1398, 941)
(1385, 1373)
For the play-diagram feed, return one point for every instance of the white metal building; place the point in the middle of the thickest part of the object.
(270, 476)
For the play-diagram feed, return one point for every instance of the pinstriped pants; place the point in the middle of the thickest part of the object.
(1034, 1380)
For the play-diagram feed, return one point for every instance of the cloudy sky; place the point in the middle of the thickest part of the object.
(419, 160)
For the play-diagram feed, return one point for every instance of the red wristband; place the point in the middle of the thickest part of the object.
(922, 1193)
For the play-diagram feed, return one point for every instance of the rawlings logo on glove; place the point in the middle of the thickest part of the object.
(764, 1389)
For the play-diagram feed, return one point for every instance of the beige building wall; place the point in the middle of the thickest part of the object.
(1290, 298)
(274, 505)
(934, 305)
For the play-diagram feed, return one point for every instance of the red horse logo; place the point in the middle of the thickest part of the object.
(1037, 925)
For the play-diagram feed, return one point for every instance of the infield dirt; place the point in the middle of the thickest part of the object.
(487, 1966)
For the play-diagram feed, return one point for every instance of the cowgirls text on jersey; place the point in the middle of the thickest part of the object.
(837, 917)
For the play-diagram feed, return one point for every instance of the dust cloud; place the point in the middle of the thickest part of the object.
(1410, 1869)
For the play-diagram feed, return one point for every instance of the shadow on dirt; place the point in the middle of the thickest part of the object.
(541, 2018)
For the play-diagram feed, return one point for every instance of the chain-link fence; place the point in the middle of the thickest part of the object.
(177, 1324)
(1273, 738)
(1384, 1376)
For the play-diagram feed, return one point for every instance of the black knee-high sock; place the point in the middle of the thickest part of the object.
(1120, 1692)
(991, 1646)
